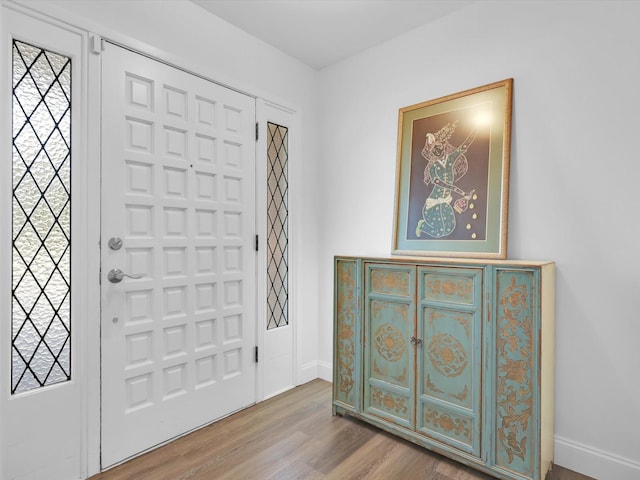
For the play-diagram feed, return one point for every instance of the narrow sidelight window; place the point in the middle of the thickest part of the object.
(41, 286)
(277, 227)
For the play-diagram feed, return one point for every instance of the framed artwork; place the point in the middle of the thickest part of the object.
(453, 174)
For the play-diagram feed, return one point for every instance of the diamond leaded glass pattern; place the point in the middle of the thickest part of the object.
(277, 227)
(41, 287)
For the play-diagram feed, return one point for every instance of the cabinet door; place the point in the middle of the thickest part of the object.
(449, 356)
(346, 375)
(389, 355)
(516, 371)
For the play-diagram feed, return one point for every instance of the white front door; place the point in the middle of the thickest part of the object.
(178, 220)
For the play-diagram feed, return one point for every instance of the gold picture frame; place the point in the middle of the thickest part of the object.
(452, 174)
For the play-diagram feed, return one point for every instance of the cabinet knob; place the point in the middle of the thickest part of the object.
(416, 341)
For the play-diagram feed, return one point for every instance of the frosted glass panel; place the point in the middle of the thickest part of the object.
(41, 313)
(277, 227)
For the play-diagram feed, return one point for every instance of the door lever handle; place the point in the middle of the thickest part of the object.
(116, 275)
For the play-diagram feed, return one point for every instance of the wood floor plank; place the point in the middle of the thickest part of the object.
(294, 437)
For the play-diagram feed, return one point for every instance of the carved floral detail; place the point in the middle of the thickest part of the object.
(447, 423)
(515, 362)
(389, 342)
(462, 288)
(464, 321)
(400, 311)
(388, 402)
(462, 396)
(447, 355)
(383, 371)
(346, 317)
(431, 387)
(385, 281)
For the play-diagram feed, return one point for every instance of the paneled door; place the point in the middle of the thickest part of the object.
(389, 364)
(449, 324)
(178, 262)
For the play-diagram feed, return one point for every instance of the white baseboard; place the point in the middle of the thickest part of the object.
(313, 370)
(325, 371)
(593, 462)
(307, 372)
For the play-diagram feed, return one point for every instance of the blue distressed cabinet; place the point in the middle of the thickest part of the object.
(453, 355)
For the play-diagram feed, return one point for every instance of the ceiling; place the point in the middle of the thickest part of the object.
(322, 32)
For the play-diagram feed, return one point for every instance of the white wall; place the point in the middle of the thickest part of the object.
(574, 185)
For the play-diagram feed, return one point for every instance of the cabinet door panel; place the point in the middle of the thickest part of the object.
(450, 286)
(454, 428)
(389, 326)
(449, 356)
(347, 328)
(396, 281)
(515, 371)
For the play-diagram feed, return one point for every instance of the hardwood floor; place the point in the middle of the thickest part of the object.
(294, 436)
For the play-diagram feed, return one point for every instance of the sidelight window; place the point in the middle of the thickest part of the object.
(41, 255)
(277, 226)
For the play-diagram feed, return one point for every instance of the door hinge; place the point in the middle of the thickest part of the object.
(257, 242)
(256, 351)
(257, 131)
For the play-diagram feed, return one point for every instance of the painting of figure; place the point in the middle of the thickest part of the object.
(445, 204)
(452, 176)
